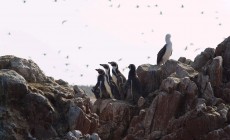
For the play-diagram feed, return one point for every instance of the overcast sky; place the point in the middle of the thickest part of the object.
(51, 33)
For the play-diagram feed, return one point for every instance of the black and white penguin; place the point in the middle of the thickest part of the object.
(118, 78)
(102, 88)
(133, 85)
(164, 54)
(114, 88)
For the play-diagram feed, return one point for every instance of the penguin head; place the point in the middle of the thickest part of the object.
(100, 71)
(132, 67)
(105, 66)
(167, 37)
(113, 64)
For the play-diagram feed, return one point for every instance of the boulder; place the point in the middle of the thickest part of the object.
(27, 68)
(201, 60)
(13, 86)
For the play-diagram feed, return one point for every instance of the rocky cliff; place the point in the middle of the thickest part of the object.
(183, 100)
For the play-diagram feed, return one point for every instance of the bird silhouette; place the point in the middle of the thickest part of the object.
(119, 6)
(87, 65)
(161, 13)
(148, 57)
(67, 57)
(64, 21)
(44, 54)
(137, 6)
(156, 5)
(202, 12)
(186, 48)
(196, 49)
(79, 47)
(120, 59)
(182, 6)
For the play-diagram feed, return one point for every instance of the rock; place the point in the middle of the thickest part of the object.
(170, 84)
(163, 108)
(78, 91)
(184, 60)
(27, 68)
(13, 86)
(215, 72)
(151, 76)
(115, 116)
(223, 49)
(203, 58)
(219, 134)
(205, 88)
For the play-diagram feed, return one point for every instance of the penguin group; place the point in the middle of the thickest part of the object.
(116, 86)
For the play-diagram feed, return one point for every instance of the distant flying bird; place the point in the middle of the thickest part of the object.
(161, 13)
(64, 21)
(148, 6)
(111, 5)
(9, 33)
(44, 54)
(59, 51)
(119, 6)
(24, 1)
(186, 48)
(182, 6)
(196, 49)
(142, 33)
(164, 54)
(220, 24)
(148, 57)
(87, 65)
(67, 57)
(79, 47)
(66, 64)
(81, 75)
(137, 6)
(202, 12)
(120, 59)
(55, 0)
(191, 44)
(156, 5)
(152, 30)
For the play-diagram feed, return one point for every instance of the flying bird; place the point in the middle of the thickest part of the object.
(9, 33)
(67, 57)
(64, 21)
(186, 48)
(148, 57)
(87, 65)
(164, 54)
(120, 59)
(182, 6)
(161, 13)
(79, 47)
(202, 12)
(119, 6)
(137, 6)
(44, 54)
(196, 49)
(156, 5)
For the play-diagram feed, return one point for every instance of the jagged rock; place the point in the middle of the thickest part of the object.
(215, 71)
(184, 60)
(115, 116)
(163, 108)
(27, 68)
(194, 124)
(223, 49)
(78, 91)
(219, 134)
(12, 86)
(201, 59)
(151, 76)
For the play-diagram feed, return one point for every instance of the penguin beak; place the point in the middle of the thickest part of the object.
(102, 65)
(129, 66)
(110, 62)
(96, 69)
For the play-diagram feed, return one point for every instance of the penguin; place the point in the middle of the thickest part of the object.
(164, 54)
(133, 86)
(118, 78)
(114, 88)
(102, 89)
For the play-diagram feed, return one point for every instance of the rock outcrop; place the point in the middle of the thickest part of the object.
(34, 106)
(182, 99)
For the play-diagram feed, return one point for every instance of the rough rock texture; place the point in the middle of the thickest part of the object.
(35, 106)
(183, 100)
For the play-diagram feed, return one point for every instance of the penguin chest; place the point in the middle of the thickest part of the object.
(114, 79)
(107, 87)
(167, 54)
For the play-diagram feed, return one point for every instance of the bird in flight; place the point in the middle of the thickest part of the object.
(79, 47)
(186, 48)
(120, 59)
(64, 21)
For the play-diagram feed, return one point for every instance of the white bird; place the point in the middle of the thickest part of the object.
(164, 54)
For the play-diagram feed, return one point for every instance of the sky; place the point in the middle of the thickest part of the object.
(68, 39)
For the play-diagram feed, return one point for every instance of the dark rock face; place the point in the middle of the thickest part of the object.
(35, 106)
(183, 100)
(27, 68)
